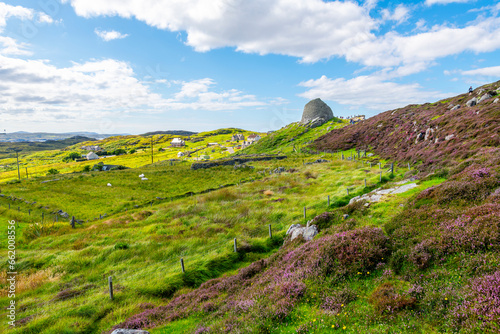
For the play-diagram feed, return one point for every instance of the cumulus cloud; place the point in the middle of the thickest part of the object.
(109, 35)
(367, 92)
(394, 49)
(44, 18)
(400, 14)
(444, 2)
(9, 46)
(99, 88)
(493, 71)
(307, 29)
(7, 11)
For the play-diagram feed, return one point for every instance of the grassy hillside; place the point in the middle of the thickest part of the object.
(64, 270)
(423, 260)
(137, 148)
(424, 263)
(292, 138)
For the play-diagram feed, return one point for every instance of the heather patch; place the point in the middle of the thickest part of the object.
(480, 309)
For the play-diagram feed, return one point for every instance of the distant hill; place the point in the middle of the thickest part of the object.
(23, 136)
(41, 146)
(169, 132)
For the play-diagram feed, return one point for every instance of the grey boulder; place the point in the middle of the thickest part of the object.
(472, 102)
(484, 98)
(308, 232)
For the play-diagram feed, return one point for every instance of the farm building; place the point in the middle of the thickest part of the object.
(237, 137)
(177, 142)
(92, 156)
(253, 138)
(92, 148)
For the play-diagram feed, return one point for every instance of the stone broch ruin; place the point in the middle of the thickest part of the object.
(316, 113)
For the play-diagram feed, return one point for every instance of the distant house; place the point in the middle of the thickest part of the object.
(212, 144)
(253, 138)
(177, 142)
(237, 137)
(92, 156)
(92, 148)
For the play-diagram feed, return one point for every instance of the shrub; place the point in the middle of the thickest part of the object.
(338, 300)
(481, 304)
(71, 156)
(52, 171)
(119, 151)
(388, 299)
(132, 151)
(121, 245)
(423, 253)
(86, 168)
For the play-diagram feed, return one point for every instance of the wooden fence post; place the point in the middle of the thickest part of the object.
(270, 232)
(365, 183)
(392, 168)
(182, 265)
(29, 212)
(409, 166)
(235, 246)
(328, 200)
(379, 165)
(110, 283)
(380, 176)
(347, 189)
(305, 214)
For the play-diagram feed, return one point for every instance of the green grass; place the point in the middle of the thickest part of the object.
(141, 248)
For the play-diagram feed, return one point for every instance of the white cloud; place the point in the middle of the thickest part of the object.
(367, 92)
(444, 2)
(36, 89)
(9, 46)
(493, 71)
(109, 35)
(44, 18)
(7, 11)
(424, 48)
(307, 29)
(400, 14)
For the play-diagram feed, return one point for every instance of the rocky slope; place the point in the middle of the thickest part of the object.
(435, 134)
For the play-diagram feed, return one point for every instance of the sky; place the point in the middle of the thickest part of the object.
(133, 66)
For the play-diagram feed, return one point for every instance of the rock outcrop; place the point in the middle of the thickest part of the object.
(472, 102)
(317, 113)
(377, 194)
(308, 232)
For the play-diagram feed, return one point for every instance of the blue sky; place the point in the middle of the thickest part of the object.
(133, 66)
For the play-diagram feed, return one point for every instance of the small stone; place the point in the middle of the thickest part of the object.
(455, 107)
(449, 137)
(496, 100)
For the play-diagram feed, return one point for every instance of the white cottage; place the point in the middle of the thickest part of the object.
(177, 142)
(92, 156)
